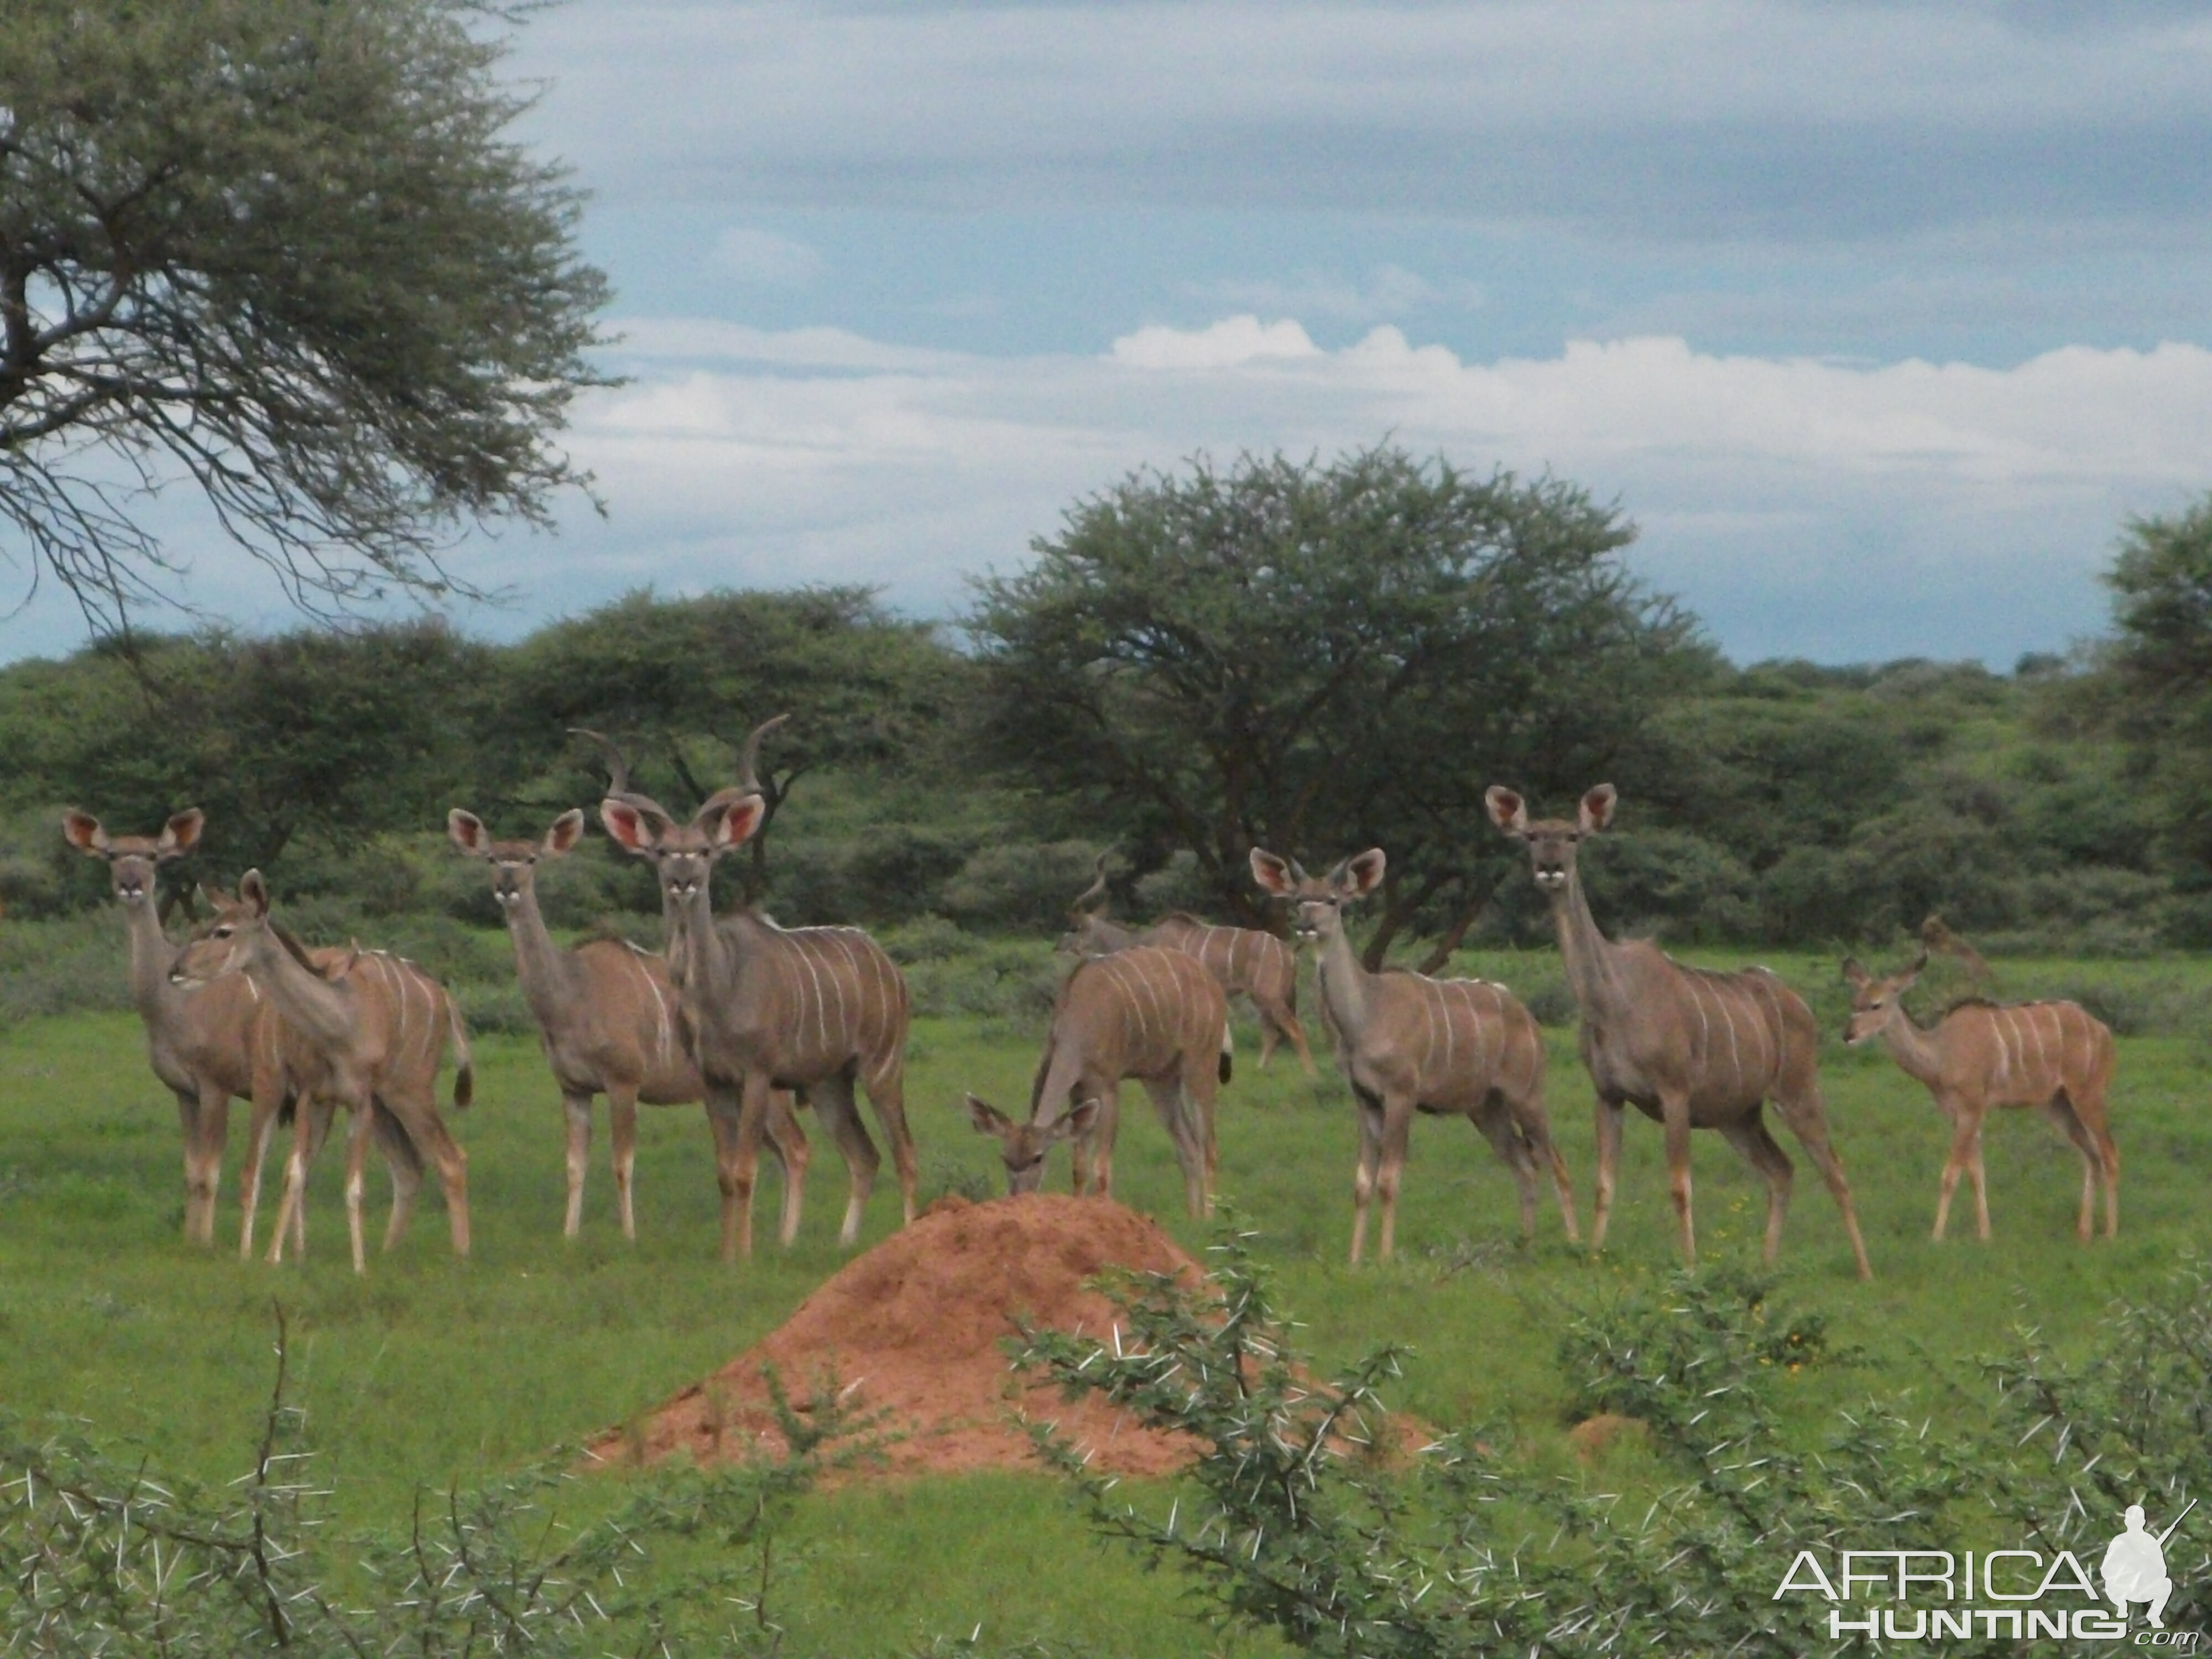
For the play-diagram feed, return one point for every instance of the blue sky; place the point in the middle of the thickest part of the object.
(1878, 320)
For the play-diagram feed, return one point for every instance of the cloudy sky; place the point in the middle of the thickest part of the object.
(1878, 319)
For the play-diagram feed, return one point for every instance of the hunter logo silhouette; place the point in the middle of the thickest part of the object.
(2134, 1566)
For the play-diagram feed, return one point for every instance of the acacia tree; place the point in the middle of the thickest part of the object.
(281, 249)
(1317, 658)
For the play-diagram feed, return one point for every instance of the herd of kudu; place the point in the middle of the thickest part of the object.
(753, 1020)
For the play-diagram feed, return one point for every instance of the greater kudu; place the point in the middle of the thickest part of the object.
(1689, 1048)
(2053, 1056)
(1244, 960)
(1409, 1043)
(811, 1009)
(206, 1043)
(1145, 1012)
(366, 1034)
(610, 1021)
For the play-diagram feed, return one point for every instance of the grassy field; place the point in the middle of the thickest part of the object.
(432, 1370)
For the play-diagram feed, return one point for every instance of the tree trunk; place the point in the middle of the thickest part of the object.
(1450, 942)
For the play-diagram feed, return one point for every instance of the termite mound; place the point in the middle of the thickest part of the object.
(912, 1328)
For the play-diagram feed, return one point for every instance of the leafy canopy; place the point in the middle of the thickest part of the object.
(1320, 658)
(281, 249)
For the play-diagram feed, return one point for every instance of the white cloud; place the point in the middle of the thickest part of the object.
(1389, 291)
(1225, 344)
(1833, 510)
(764, 259)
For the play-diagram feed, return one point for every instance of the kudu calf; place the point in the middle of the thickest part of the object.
(814, 1009)
(1244, 960)
(1148, 1013)
(366, 1033)
(610, 1021)
(2053, 1056)
(1408, 1043)
(207, 1043)
(1688, 1049)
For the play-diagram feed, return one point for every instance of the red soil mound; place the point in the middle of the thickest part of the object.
(913, 1329)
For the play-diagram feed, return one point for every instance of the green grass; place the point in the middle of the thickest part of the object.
(432, 1370)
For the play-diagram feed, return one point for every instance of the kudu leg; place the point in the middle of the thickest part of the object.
(2069, 1123)
(1608, 1167)
(887, 1094)
(841, 1114)
(431, 1142)
(1674, 1117)
(1397, 1134)
(1535, 1126)
(1504, 1135)
(1966, 1152)
(576, 1109)
(404, 1163)
(1764, 1153)
(188, 1124)
(1103, 1137)
(212, 1133)
(263, 1130)
(1177, 1114)
(621, 1136)
(786, 1138)
(1369, 1108)
(360, 1119)
(1808, 1118)
(725, 1118)
(290, 1206)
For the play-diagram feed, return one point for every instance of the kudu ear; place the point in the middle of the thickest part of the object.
(1507, 810)
(82, 831)
(1272, 873)
(1912, 973)
(1854, 975)
(630, 827)
(987, 1119)
(253, 893)
(1597, 808)
(1358, 877)
(568, 829)
(468, 832)
(180, 834)
(1076, 1121)
(730, 817)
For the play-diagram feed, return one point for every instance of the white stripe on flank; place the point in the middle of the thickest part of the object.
(821, 1002)
(1451, 1040)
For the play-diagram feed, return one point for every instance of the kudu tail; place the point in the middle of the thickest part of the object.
(1228, 1052)
(464, 1070)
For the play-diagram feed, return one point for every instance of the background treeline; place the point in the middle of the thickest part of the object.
(1315, 657)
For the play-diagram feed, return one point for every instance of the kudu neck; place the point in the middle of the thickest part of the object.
(323, 1010)
(1344, 982)
(1587, 953)
(1913, 1049)
(152, 956)
(548, 973)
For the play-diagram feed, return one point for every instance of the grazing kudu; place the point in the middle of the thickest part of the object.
(1145, 1012)
(206, 1043)
(367, 1035)
(2054, 1055)
(1411, 1044)
(814, 1010)
(1688, 1049)
(1243, 959)
(610, 1021)
(1023, 1146)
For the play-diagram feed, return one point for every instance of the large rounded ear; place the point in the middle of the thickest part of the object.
(468, 832)
(1361, 875)
(82, 831)
(1272, 874)
(630, 827)
(987, 1119)
(1909, 975)
(730, 817)
(1854, 975)
(568, 829)
(1507, 810)
(1075, 1121)
(1597, 808)
(253, 893)
(180, 834)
